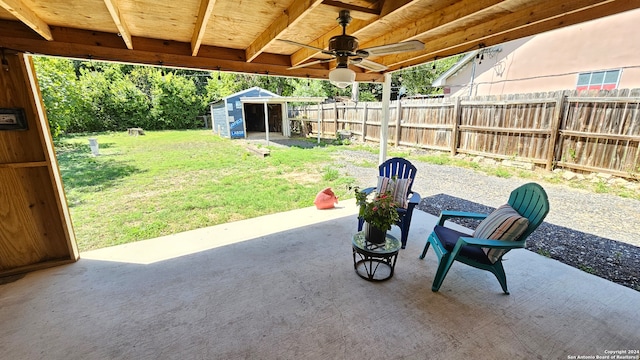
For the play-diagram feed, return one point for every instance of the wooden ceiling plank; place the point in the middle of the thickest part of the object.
(206, 8)
(457, 13)
(389, 8)
(294, 13)
(502, 25)
(357, 12)
(123, 29)
(30, 18)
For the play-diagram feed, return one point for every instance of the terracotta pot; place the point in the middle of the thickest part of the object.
(374, 235)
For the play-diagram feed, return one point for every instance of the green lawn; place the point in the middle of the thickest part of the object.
(171, 181)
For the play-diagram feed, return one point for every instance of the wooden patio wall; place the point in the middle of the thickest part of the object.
(595, 132)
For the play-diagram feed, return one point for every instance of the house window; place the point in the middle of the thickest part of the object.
(598, 80)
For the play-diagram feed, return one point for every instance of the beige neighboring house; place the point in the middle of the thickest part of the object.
(599, 54)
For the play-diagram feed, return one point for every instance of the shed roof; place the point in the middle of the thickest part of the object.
(262, 93)
(282, 99)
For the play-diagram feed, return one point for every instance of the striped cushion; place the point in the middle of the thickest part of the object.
(504, 223)
(398, 188)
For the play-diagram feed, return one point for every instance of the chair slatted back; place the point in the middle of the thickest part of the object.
(400, 168)
(531, 201)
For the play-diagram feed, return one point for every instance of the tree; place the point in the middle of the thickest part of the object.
(222, 85)
(111, 101)
(417, 80)
(60, 92)
(175, 103)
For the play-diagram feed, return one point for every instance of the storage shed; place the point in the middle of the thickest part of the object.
(233, 118)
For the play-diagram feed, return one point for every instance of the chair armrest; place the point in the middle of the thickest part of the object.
(448, 214)
(415, 198)
(494, 244)
(368, 190)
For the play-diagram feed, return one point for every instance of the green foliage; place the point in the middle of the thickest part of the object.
(314, 88)
(501, 172)
(544, 252)
(412, 81)
(222, 85)
(417, 80)
(587, 269)
(175, 103)
(110, 102)
(368, 164)
(379, 210)
(330, 174)
(95, 96)
(437, 159)
(61, 96)
(601, 187)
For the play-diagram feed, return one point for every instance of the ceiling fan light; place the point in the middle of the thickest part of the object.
(342, 77)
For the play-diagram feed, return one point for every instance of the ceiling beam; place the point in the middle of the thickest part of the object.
(289, 17)
(18, 9)
(123, 29)
(84, 44)
(357, 12)
(507, 27)
(457, 15)
(389, 8)
(206, 8)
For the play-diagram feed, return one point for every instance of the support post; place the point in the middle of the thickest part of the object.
(384, 125)
(320, 108)
(364, 123)
(266, 122)
(335, 119)
(398, 121)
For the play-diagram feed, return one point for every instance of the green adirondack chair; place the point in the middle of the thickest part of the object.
(529, 201)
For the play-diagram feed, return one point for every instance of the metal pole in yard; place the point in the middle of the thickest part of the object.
(266, 121)
(320, 108)
(384, 124)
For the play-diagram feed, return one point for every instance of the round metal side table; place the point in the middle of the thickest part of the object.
(374, 262)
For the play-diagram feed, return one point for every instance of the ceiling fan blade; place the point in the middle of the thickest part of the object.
(307, 46)
(411, 45)
(369, 65)
(309, 64)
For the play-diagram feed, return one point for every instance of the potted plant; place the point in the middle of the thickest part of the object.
(379, 212)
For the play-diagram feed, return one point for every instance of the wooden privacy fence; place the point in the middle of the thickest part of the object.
(596, 132)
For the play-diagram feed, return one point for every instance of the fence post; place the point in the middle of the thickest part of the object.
(555, 128)
(454, 131)
(398, 120)
(364, 123)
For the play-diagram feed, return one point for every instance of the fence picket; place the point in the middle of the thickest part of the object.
(584, 132)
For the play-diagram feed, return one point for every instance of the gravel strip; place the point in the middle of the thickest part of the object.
(597, 233)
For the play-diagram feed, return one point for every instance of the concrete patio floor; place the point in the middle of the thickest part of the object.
(283, 287)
